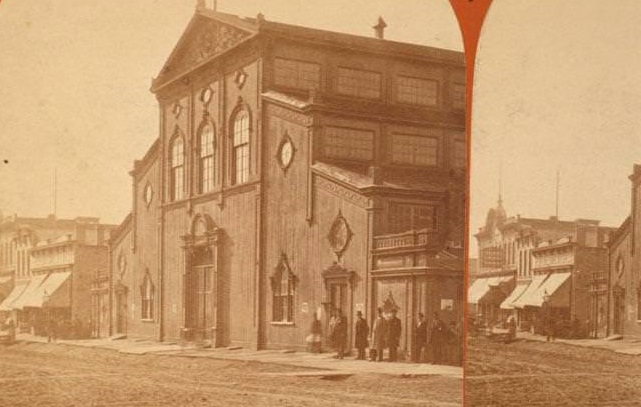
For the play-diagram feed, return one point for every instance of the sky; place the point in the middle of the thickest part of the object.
(557, 87)
(75, 78)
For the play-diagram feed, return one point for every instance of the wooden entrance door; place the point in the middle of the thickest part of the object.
(121, 313)
(619, 313)
(200, 306)
(339, 299)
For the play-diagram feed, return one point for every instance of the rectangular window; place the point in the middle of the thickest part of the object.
(296, 74)
(359, 83)
(350, 144)
(414, 150)
(459, 154)
(457, 95)
(417, 91)
(406, 217)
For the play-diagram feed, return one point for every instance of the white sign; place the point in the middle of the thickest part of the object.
(304, 308)
(447, 305)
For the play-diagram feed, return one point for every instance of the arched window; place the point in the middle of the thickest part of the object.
(283, 286)
(206, 159)
(147, 298)
(177, 169)
(240, 145)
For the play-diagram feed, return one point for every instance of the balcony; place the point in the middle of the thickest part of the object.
(412, 239)
(414, 250)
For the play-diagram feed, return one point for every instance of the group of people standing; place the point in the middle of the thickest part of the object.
(435, 339)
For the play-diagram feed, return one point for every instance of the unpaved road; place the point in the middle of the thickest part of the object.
(57, 375)
(527, 373)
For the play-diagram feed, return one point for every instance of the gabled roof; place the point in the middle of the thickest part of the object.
(208, 35)
(121, 230)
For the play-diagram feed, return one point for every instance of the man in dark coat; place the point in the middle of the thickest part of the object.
(393, 336)
(420, 338)
(379, 332)
(438, 339)
(340, 335)
(360, 337)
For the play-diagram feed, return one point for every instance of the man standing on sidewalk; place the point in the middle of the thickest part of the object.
(420, 338)
(379, 332)
(393, 336)
(360, 337)
(340, 334)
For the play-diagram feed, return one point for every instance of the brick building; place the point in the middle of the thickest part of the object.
(50, 262)
(522, 260)
(297, 171)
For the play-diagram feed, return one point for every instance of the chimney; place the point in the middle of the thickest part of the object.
(379, 28)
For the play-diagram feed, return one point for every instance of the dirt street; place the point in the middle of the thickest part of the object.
(533, 374)
(58, 375)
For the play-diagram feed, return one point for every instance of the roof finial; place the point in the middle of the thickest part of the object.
(379, 28)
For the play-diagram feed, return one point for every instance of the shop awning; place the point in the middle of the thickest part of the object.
(528, 298)
(31, 289)
(53, 290)
(516, 293)
(482, 287)
(477, 290)
(7, 304)
(556, 288)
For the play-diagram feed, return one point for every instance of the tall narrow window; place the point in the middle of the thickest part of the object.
(147, 298)
(177, 169)
(206, 159)
(283, 282)
(240, 153)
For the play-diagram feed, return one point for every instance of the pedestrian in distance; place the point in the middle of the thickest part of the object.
(340, 335)
(331, 328)
(379, 332)
(360, 337)
(394, 329)
(315, 335)
(420, 339)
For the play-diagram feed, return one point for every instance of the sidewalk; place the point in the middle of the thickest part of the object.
(323, 364)
(624, 346)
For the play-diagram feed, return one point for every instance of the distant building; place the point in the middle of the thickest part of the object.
(526, 260)
(51, 262)
(624, 281)
(297, 172)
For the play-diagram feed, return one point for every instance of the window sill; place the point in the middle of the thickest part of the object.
(282, 323)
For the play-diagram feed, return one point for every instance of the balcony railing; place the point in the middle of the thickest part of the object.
(412, 238)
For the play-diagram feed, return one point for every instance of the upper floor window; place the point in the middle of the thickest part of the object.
(414, 150)
(296, 74)
(240, 147)
(359, 83)
(346, 143)
(405, 217)
(417, 91)
(457, 95)
(459, 154)
(206, 158)
(177, 169)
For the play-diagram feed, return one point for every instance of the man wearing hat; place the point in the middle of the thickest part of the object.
(360, 338)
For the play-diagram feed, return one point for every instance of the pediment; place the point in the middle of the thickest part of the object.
(204, 38)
